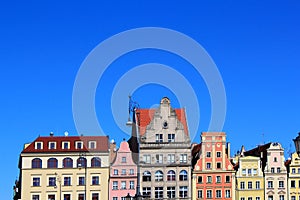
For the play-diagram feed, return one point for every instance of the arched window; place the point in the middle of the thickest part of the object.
(183, 175)
(146, 176)
(96, 162)
(68, 163)
(36, 163)
(159, 176)
(52, 163)
(171, 175)
(81, 162)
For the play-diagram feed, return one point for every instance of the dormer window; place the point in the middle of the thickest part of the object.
(79, 144)
(66, 145)
(39, 145)
(92, 144)
(52, 145)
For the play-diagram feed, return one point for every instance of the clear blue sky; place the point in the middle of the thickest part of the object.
(255, 45)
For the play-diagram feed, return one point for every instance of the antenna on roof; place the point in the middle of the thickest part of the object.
(66, 133)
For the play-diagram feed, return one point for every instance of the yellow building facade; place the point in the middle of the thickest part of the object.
(249, 179)
(65, 168)
(294, 177)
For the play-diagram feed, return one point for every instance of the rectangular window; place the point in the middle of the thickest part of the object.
(116, 172)
(171, 192)
(67, 181)
(115, 198)
(249, 185)
(278, 170)
(131, 171)
(270, 197)
(51, 197)
(183, 191)
(218, 194)
(218, 179)
(123, 185)
(35, 181)
(298, 170)
(209, 179)
(242, 186)
(293, 198)
(227, 194)
(249, 198)
(243, 171)
(272, 170)
(80, 196)
(249, 171)
(79, 144)
(38, 145)
(35, 197)
(270, 184)
(171, 137)
(208, 165)
(115, 185)
(92, 144)
(200, 179)
(257, 185)
(123, 172)
(218, 154)
(95, 196)
(52, 181)
(159, 138)
(281, 184)
(293, 184)
(123, 159)
(171, 158)
(208, 194)
(95, 180)
(242, 198)
(81, 180)
(67, 196)
(131, 185)
(147, 159)
(52, 145)
(159, 158)
(183, 158)
(257, 198)
(200, 194)
(293, 171)
(208, 154)
(281, 197)
(147, 191)
(255, 171)
(227, 179)
(159, 192)
(65, 145)
(218, 165)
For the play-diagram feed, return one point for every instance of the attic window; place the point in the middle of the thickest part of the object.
(52, 145)
(66, 145)
(92, 144)
(38, 145)
(79, 144)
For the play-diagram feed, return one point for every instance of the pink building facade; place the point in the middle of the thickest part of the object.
(123, 174)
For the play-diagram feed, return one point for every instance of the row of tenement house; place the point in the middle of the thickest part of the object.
(158, 161)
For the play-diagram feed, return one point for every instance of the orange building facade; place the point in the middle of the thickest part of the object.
(213, 175)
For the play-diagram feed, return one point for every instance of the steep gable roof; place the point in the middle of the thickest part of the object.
(145, 116)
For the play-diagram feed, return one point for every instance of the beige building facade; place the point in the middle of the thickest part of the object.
(65, 168)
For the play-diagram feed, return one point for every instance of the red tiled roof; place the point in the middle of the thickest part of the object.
(146, 115)
(102, 144)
